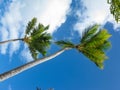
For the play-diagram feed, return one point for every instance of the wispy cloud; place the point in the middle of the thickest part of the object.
(9, 87)
(93, 11)
(19, 12)
(48, 12)
(26, 54)
(10, 27)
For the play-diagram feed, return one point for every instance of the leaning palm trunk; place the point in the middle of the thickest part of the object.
(31, 64)
(12, 40)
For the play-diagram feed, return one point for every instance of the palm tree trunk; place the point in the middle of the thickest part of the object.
(31, 64)
(3, 42)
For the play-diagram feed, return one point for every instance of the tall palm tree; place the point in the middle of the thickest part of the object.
(93, 44)
(115, 8)
(36, 37)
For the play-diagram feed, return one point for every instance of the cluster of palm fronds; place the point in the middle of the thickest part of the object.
(37, 38)
(115, 8)
(93, 44)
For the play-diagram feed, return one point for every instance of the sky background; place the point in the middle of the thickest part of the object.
(67, 19)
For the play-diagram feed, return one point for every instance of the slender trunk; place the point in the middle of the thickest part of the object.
(3, 42)
(31, 64)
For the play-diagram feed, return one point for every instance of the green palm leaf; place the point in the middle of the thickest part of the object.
(89, 32)
(65, 44)
(31, 25)
(33, 52)
(115, 8)
(95, 55)
(98, 39)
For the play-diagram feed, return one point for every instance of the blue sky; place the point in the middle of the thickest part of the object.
(67, 19)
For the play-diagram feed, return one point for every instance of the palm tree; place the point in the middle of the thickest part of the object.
(93, 44)
(115, 8)
(36, 37)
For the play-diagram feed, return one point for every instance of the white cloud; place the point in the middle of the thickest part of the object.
(48, 12)
(26, 54)
(9, 87)
(4, 35)
(10, 27)
(94, 12)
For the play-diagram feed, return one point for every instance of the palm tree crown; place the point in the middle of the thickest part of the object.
(37, 38)
(115, 8)
(93, 44)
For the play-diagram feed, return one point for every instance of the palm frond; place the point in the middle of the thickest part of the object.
(47, 27)
(31, 25)
(94, 47)
(98, 39)
(41, 44)
(33, 52)
(38, 30)
(115, 9)
(89, 32)
(105, 46)
(65, 44)
(95, 55)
